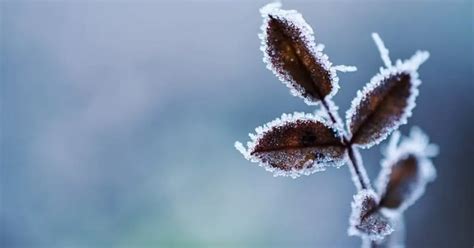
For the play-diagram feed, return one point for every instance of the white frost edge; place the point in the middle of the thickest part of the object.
(384, 52)
(345, 68)
(354, 219)
(410, 67)
(416, 144)
(282, 121)
(362, 172)
(333, 108)
(307, 35)
(396, 239)
(322, 113)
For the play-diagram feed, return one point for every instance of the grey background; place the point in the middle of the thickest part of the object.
(118, 121)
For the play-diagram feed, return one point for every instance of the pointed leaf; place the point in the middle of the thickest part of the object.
(386, 101)
(291, 53)
(403, 180)
(295, 144)
(405, 171)
(366, 220)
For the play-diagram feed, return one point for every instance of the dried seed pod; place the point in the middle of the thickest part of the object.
(294, 145)
(366, 220)
(386, 101)
(405, 172)
(291, 53)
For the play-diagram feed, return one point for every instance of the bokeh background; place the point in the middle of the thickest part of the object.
(118, 121)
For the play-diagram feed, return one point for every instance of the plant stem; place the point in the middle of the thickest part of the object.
(357, 168)
(359, 175)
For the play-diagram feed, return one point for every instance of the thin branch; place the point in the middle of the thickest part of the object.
(359, 175)
(382, 49)
(345, 68)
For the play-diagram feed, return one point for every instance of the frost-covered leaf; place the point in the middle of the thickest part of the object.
(406, 170)
(298, 144)
(394, 240)
(403, 181)
(366, 220)
(386, 101)
(293, 56)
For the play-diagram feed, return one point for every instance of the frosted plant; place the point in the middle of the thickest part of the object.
(301, 144)
(406, 169)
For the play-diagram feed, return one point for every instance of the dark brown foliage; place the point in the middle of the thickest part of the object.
(293, 59)
(371, 221)
(381, 110)
(304, 145)
(402, 182)
(297, 144)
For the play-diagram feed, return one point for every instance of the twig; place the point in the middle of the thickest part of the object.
(359, 175)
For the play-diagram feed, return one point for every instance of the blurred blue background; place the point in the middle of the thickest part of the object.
(118, 121)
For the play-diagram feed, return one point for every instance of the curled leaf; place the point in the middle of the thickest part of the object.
(290, 52)
(405, 171)
(386, 101)
(294, 145)
(366, 221)
(394, 240)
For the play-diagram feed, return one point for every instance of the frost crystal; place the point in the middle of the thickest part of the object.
(294, 145)
(366, 221)
(382, 49)
(386, 101)
(357, 177)
(324, 113)
(345, 68)
(394, 240)
(291, 53)
(406, 170)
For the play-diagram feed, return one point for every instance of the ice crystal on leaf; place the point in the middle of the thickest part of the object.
(291, 53)
(386, 101)
(396, 239)
(406, 170)
(297, 144)
(366, 221)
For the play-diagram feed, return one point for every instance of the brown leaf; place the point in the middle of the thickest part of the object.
(290, 51)
(402, 180)
(385, 103)
(366, 220)
(406, 182)
(405, 171)
(296, 144)
(395, 239)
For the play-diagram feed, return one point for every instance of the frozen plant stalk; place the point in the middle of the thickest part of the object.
(301, 144)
